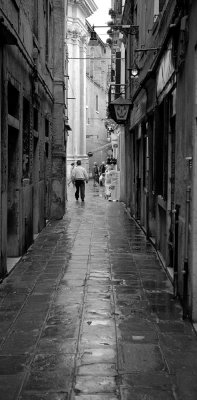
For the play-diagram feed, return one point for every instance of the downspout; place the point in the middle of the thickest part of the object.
(185, 271)
(176, 248)
(147, 186)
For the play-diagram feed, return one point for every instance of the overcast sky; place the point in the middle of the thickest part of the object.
(101, 17)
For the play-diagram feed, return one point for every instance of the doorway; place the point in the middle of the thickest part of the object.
(13, 194)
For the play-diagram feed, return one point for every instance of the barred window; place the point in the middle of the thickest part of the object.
(97, 105)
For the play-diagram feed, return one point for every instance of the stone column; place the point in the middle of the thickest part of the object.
(83, 97)
(76, 41)
(74, 93)
(122, 163)
(58, 181)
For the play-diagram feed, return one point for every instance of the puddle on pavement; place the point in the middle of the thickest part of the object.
(98, 322)
(99, 274)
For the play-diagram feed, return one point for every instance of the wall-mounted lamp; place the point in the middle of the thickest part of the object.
(119, 109)
(134, 70)
(93, 38)
(133, 30)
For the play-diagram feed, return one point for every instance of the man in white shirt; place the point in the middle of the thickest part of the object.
(79, 176)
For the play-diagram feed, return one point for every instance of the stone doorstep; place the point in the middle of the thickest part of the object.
(195, 326)
(11, 263)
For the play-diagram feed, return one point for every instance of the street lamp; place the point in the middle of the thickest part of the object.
(134, 70)
(93, 39)
(132, 30)
(119, 109)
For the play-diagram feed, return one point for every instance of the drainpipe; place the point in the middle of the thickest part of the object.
(26, 226)
(147, 186)
(176, 249)
(185, 270)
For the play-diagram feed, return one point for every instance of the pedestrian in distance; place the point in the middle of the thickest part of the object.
(95, 174)
(70, 178)
(102, 169)
(79, 176)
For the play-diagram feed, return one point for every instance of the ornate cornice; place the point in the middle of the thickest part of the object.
(87, 6)
(74, 33)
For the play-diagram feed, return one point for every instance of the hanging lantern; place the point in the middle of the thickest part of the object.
(119, 109)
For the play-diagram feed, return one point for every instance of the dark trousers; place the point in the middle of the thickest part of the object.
(80, 187)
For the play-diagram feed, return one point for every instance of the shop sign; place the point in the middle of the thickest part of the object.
(139, 108)
(166, 69)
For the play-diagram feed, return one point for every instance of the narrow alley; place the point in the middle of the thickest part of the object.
(89, 314)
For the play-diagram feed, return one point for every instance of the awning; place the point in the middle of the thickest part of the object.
(105, 146)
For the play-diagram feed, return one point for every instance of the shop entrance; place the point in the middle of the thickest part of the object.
(13, 194)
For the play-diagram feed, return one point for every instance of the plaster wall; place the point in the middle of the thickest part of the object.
(77, 39)
(58, 176)
(29, 191)
(122, 164)
(96, 134)
(186, 145)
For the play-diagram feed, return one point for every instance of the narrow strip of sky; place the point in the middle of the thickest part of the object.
(101, 17)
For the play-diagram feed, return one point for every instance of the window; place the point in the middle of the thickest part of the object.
(97, 106)
(87, 119)
(35, 119)
(48, 29)
(26, 138)
(46, 138)
(46, 128)
(161, 4)
(47, 149)
(156, 10)
(118, 6)
(13, 13)
(13, 101)
(161, 149)
(158, 7)
(35, 21)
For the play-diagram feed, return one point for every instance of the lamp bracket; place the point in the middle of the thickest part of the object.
(133, 29)
(148, 49)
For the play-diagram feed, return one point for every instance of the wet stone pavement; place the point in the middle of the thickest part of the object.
(88, 314)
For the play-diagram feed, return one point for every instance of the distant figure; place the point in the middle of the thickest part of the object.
(102, 169)
(71, 170)
(95, 174)
(79, 176)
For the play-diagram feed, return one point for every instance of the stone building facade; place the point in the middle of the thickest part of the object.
(77, 38)
(32, 113)
(98, 69)
(160, 134)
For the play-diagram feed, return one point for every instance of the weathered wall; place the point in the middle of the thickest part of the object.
(28, 95)
(77, 41)
(58, 150)
(96, 135)
(186, 147)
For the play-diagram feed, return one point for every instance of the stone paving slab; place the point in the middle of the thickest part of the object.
(89, 314)
(44, 396)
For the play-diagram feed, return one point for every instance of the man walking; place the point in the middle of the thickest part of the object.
(79, 176)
